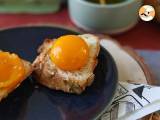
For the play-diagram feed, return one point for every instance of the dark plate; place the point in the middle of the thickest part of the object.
(28, 102)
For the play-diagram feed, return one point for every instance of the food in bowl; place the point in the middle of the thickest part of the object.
(67, 63)
(13, 70)
(106, 1)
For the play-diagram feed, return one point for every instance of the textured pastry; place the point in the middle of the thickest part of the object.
(13, 70)
(73, 71)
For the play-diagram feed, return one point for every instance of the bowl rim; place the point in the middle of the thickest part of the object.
(121, 4)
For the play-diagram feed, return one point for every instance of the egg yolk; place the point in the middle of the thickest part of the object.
(69, 52)
(11, 70)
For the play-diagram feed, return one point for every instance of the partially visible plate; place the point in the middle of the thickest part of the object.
(31, 101)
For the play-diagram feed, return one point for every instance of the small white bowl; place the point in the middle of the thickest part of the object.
(108, 18)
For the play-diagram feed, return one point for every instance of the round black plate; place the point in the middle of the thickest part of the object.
(35, 102)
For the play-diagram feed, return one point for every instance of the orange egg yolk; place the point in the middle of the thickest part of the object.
(69, 52)
(11, 70)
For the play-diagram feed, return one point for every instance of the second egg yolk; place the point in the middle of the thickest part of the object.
(11, 70)
(69, 52)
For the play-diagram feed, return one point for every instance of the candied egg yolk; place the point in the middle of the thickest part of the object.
(69, 52)
(11, 70)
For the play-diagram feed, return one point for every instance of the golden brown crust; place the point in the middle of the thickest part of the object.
(48, 76)
(28, 70)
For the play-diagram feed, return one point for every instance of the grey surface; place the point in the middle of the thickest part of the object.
(152, 59)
